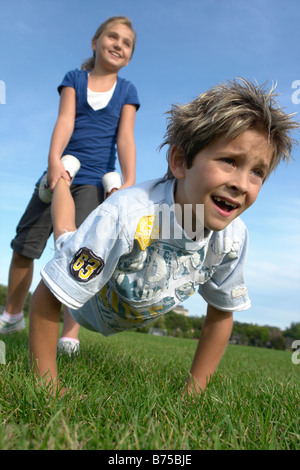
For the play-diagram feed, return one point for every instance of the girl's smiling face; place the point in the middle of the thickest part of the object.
(226, 176)
(114, 46)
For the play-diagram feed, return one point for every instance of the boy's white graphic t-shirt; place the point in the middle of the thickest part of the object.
(131, 262)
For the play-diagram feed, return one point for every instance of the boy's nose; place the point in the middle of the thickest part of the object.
(239, 183)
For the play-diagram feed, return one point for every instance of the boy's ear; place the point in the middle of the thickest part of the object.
(177, 162)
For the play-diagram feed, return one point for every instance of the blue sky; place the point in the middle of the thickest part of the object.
(183, 48)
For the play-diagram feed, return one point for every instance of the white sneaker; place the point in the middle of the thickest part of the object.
(7, 327)
(71, 164)
(111, 180)
(68, 346)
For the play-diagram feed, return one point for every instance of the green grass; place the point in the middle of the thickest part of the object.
(126, 395)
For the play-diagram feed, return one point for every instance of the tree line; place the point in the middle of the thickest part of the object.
(247, 334)
(174, 324)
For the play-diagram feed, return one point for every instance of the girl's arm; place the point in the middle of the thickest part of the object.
(126, 145)
(215, 334)
(61, 135)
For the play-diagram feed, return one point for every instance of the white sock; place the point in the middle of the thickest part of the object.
(67, 338)
(12, 318)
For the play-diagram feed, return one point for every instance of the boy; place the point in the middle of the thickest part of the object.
(148, 248)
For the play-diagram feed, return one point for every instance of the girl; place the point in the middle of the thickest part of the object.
(96, 114)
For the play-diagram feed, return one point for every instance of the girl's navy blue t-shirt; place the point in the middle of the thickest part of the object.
(94, 137)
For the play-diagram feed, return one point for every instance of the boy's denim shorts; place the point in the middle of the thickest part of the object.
(35, 226)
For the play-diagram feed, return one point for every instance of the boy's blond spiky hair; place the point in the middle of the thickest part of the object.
(228, 110)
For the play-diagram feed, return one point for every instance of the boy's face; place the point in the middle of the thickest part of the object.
(114, 46)
(226, 176)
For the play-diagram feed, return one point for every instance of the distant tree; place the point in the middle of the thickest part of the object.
(160, 322)
(276, 338)
(293, 331)
(3, 293)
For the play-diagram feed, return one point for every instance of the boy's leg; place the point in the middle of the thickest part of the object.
(63, 218)
(86, 199)
(43, 333)
(62, 209)
(70, 328)
(69, 342)
(45, 308)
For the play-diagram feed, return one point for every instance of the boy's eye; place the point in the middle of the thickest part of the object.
(258, 172)
(228, 160)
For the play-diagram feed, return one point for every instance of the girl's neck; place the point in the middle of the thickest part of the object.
(101, 80)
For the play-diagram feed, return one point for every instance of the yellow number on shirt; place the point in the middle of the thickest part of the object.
(85, 265)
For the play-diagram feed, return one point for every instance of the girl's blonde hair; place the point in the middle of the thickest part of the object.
(228, 110)
(90, 63)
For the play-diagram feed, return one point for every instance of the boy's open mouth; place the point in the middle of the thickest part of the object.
(224, 204)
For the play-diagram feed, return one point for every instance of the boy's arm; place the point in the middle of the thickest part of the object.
(215, 334)
(61, 135)
(126, 145)
(43, 333)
